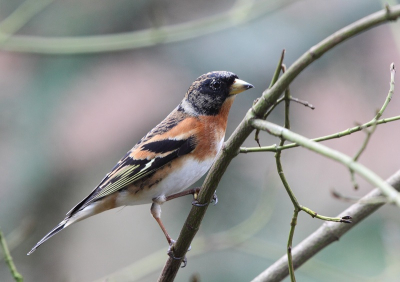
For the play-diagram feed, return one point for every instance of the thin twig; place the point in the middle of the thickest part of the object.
(280, 67)
(239, 14)
(286, 184)
(277, 69)
(327, 234)
(273, 80)
(18, 235)
(368, 134)
(304, 103)
(287, 98)
(374, 124)
(296, 204)
(278, 153)
(344, 198)
(283, 178)
(17, 19)
(274, 148)
(293, 224)
(257, 133)
(390, 93)
(7, 257)
(313, 214)
(364, 172)
(361, 150)
(270, 110)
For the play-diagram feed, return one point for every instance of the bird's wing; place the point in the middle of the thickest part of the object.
(154, 151)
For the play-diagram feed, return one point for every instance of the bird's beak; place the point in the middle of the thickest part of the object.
(239, 86)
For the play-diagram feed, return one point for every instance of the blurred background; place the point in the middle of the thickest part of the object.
(66, 119)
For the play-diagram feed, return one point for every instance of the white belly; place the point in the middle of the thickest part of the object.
(184, 177)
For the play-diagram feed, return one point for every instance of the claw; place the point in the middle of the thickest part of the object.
(346, 219)
(197, 204)
(171, 254)
(214, 199)
(184, 262)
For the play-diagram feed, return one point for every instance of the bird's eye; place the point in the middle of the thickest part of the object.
(215, 85)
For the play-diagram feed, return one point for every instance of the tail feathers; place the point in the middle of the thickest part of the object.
(53, 232)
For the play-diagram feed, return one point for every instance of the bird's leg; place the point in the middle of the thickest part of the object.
(156, 213)
(194, 192)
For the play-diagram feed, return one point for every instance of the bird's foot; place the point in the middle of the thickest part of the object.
(171, 253)
(197, 204)
(213, 200)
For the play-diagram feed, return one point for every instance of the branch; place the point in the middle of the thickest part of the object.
(226, 239)
(7, 257)
(19, 235)
(296, 205)
(374, 124)
(232, 146)
(274, 148)
(285, 183)
(366, 173)
(241, 13)
(270, 95)
(275, 77)
(17, 19)
(389, 96)
(328, 233)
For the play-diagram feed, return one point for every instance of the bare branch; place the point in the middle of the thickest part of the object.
(304, 103)
(273, 80)
(17, 19)
(366, 173)
(374, 123)
(238, 14)
(328, 233)
(232, 146)
(274, 148)
(7, 257)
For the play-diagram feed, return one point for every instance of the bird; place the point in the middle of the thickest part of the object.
(169, 158)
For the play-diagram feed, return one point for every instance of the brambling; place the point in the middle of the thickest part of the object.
(170, 158)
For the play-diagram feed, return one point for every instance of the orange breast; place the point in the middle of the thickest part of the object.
(211, 132)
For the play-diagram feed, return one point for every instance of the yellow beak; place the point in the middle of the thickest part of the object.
(239, 86)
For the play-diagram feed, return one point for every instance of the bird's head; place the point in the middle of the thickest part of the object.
(208, 93)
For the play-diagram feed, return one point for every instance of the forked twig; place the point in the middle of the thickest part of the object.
(374, 124)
